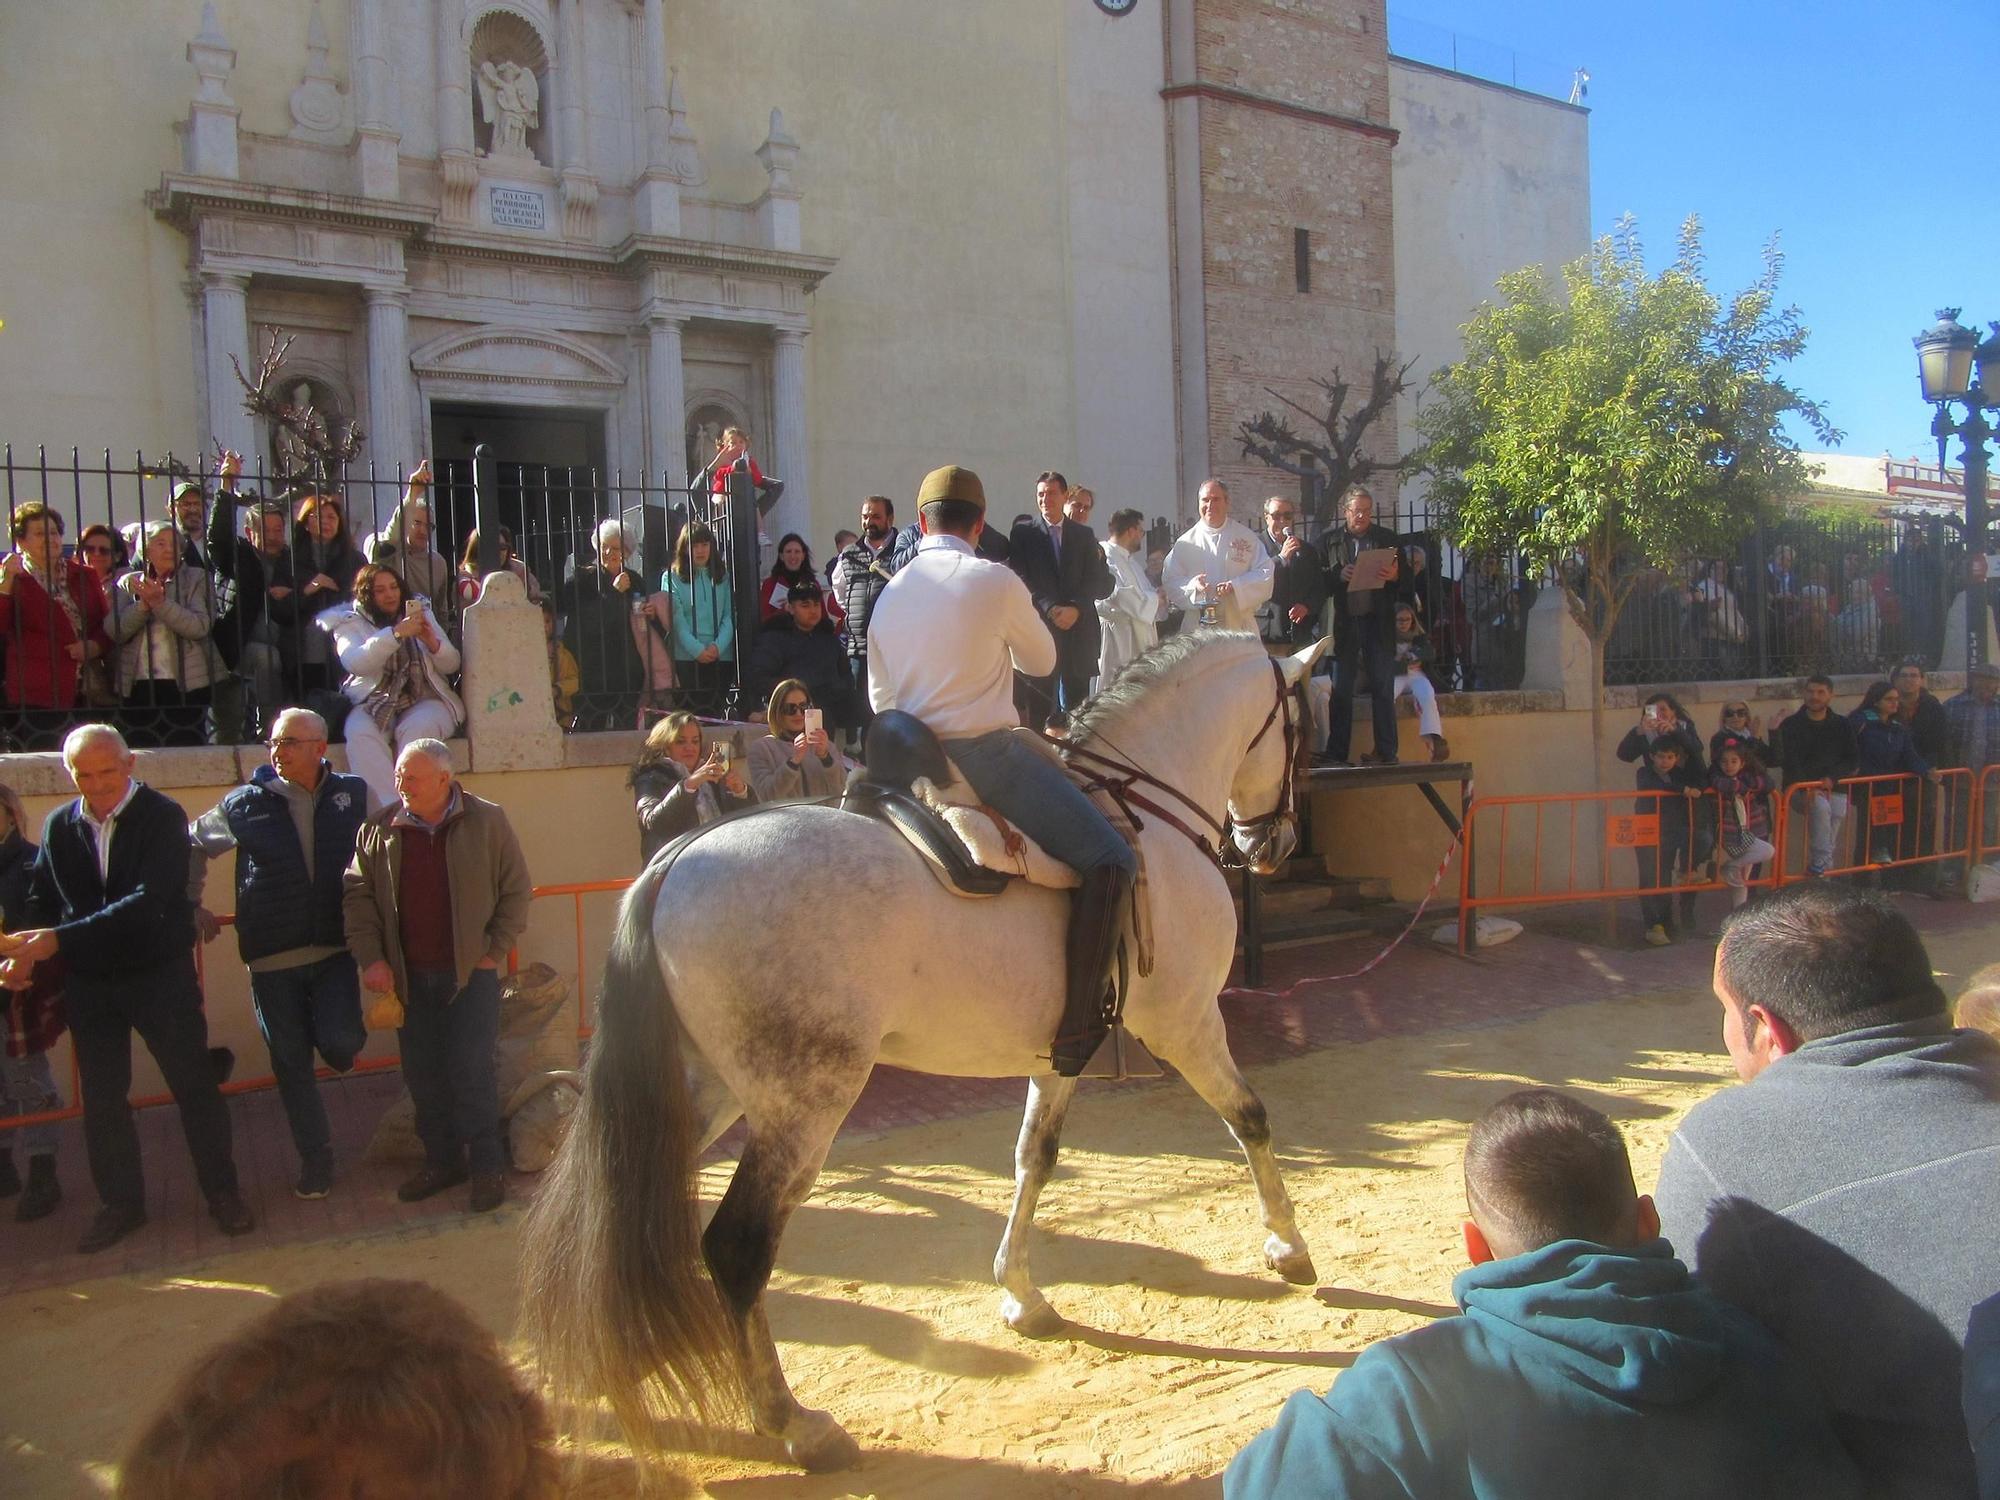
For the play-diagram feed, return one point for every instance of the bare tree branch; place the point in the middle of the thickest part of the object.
(1333, 459)
(305, 447)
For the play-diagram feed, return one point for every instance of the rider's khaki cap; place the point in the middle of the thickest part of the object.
(951, 483)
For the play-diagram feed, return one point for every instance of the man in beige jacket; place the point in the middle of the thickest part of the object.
(435, 899)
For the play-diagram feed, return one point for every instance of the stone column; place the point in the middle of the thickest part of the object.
(656, 196)
(392, 430)
(376, 138)
(788, 435)
(666, 404)
(454, 115)
(225, 331)
(579, 187)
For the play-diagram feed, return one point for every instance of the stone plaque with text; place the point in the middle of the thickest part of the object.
(517, 208)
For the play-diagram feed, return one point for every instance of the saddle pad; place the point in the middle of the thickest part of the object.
(982, 838)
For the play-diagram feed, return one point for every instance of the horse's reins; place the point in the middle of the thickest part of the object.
(1120, 779)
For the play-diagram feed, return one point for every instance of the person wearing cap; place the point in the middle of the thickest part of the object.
(190, 505)
(800, 642)
(1972, 741)
(944, 642)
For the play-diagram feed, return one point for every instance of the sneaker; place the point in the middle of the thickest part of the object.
(109, 1227)
(315, 1178)
(1657, 936)
(429, 1182)
(1440, 748)
(489, 1191)
(230, 1212)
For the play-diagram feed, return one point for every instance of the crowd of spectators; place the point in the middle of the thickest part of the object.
(1715, 812)
(415, 905)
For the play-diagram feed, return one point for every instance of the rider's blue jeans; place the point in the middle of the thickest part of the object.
(1030, 790)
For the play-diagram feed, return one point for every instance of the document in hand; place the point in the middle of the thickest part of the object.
(1371, 569)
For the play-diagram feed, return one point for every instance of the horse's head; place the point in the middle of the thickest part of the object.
(1263, 821)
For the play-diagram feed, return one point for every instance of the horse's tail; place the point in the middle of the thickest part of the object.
(616, 1302)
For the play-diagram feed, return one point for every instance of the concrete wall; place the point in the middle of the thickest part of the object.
(1487, 179)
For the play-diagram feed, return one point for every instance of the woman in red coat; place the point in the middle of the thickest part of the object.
(52, 612)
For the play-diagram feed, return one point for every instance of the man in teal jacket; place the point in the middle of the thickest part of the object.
(1587, 1361)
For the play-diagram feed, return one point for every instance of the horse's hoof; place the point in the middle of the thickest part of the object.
(1033, 1319)
(820, 1445)
(1295, 1265)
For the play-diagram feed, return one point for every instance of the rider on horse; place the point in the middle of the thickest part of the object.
(944, 642)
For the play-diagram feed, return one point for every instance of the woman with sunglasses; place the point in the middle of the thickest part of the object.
(796, 759)
(1738, 723)
(104, 552)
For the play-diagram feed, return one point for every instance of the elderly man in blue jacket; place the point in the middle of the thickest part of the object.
(1586, 1362)
(293, 831)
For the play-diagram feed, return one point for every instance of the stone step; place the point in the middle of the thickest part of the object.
(1282, 898)
(1384, 920)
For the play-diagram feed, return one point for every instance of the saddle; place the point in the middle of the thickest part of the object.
(907, 781)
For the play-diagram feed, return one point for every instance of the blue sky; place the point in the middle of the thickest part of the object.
(1828, 123)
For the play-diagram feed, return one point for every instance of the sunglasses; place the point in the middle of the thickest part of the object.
(795, 708)
(1736, 713)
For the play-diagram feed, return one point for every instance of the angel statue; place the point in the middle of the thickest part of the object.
(510, 99)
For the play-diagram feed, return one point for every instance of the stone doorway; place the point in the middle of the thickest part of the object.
(549, 478)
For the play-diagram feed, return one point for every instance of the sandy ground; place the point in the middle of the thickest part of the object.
(1182, 1346)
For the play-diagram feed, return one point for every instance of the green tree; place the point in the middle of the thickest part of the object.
(1617, 422)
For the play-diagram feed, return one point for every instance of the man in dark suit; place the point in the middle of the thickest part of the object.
(1290, 617)
(1364, 627)
(1066, 574)
(111, 883)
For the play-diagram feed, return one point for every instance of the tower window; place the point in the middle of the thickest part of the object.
(1302, 253)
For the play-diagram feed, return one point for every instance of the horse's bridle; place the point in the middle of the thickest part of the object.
(1119, 779)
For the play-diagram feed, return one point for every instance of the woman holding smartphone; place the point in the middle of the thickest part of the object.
(796, 759)
(398, 662)
(677, 785)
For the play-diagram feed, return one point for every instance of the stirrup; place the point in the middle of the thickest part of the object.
(1120, 1056)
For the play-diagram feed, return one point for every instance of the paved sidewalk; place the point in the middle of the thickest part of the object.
(1420, 988)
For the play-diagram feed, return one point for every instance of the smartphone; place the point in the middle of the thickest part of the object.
(724, 753)
(815, 720)
(412, 609)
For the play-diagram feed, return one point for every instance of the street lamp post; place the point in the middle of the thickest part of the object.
(1954, 364)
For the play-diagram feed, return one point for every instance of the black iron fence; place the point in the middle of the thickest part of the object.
(1801, 593)
(145, 594)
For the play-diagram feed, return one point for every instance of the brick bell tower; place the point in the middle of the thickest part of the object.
(1283, 248)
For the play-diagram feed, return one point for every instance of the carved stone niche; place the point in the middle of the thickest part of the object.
(510, 105)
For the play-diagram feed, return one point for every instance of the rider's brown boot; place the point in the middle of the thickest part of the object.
(1095, 910)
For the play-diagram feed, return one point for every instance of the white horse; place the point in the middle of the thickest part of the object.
(698, 1027)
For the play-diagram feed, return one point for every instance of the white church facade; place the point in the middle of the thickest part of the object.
(880, 234)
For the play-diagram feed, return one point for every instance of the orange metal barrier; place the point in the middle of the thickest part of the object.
(1571, 843)
(575, 890)
(1985, 800)
(1873, 834)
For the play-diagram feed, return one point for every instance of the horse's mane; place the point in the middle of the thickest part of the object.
(1140, 675)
